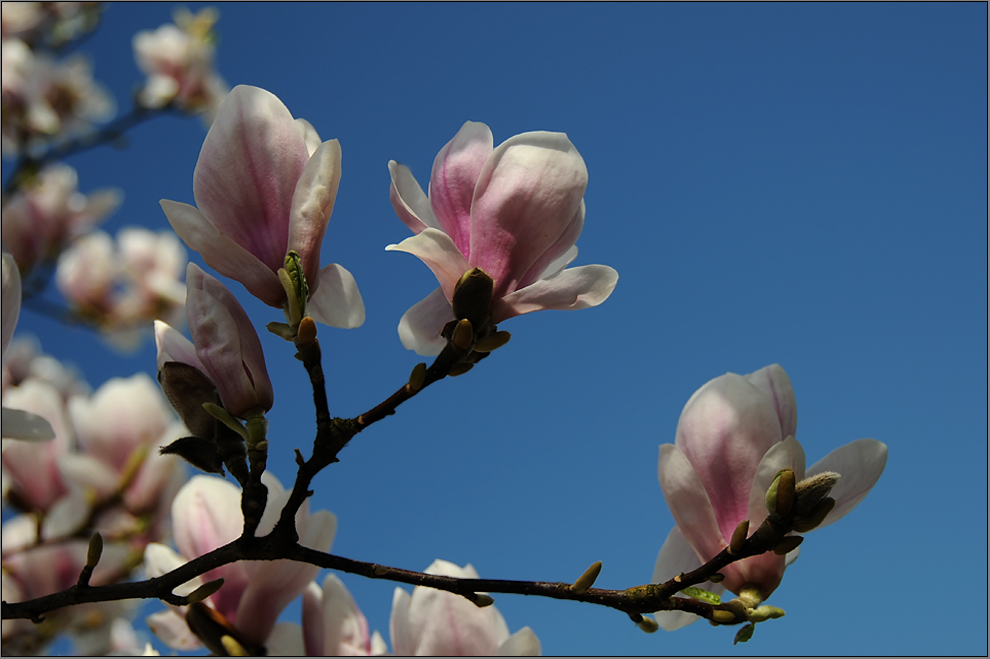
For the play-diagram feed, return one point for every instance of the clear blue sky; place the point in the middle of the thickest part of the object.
(802, 184)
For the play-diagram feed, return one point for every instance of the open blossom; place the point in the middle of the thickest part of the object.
(515, 212)
(178, 60)
(265, 185)
(734, 435)
(435, 622)
(206, 514)
(49, 212)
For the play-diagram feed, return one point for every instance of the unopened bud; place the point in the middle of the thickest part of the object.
(780, 495)
(765, 612)
(95, 550)
(459, 369)
(417, 377)
(481, 600)
(307, 331)
(787, 544)
(204, 591)
(473, 296)
(492, 341)
(233, 647)
(817, 516)
(648, 625)
(463, 334)
(739, 537)
(722, 616)
(718, 577)
(587, 580)
(812, 490)
(293, 281)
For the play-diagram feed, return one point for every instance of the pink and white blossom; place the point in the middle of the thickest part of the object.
(227, 344)
(264, 185)
(49, 212)
(179, 62)
(515, 211)
(435, 622)
(206, 514)
(733, 437)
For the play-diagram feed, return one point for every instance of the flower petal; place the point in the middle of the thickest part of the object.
(676, 556)
(404, 637)
(223, 254)
(172, 630)
(527, 195)
(859, 464)
(408, 199)
(456, 170)
(336, 301)
(11, 299)
(312, 204)
(560, 249)
(420, 326)
(247, 171)
(575, 288)
(435, 248)
(688, 502)
(788, 454)
(523, 643)
(772, 380)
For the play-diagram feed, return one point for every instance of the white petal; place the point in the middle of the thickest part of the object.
(173, 631)
(337, 301)
(435, 248)
(859, 464)
(787, 454)
(286, 640)
(675, 556)
(576, 288)
(523, 643)
(420, 326)
(688, 502)
(410, 202)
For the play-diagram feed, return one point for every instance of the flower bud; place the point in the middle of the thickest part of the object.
(481, 600)
(648, 625)
(204, 591)
(722, 616)
(94, 551)
(307, 331)
(817, 516)
(417, 377)
(492, 341)
(780, 495)
(739, 537)
(587, 580)
(787, 544)
(473, 296)
(463, 334)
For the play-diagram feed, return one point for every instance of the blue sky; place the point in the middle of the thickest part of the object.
(794, 183)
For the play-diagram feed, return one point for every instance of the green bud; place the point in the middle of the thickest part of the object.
(233, 646)
(481, 600)
(417, 377)
(787, 544)
(473, 296)
(739, 537)
(723, 617)
(744, 634)
(492, 341)
(204, 591)
(648, 625)
(95, 551)
(293, 280)
(817, 516)
(765, 612)
(587, 580)
(780, 495)
(463, 334)
(459, 369)
(718, 577)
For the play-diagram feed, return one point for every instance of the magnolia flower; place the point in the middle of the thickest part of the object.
(734, 435)
(515, 212)
(178, 60)
(265, 185)
(206, 514)
(227, 345)
(435, 622)
(332, 626)
(49, 212)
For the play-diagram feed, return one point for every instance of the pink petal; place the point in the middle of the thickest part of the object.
(575, 288)
(408, 199)
(775, 385)
(247, 172)
(788, 454)
(859, 464)
(455, 173)
(435, 248)
(223, 254)
(564, 244)
(689, 503)
(527, 195)
(337, 301)
(726, 428)
(677, 556)
(420, 326)
(11, 298)
(312, 204)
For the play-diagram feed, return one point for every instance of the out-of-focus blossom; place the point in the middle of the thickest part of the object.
(227, 344)
(50, 23)
(206, 514)
(515, 212)
(435, 622)
(332, 626)
(48, 212)
(264, 185)
(31, 479)
(734, 435)
(178, 60)
(44, 100)
(122, 287)
(24, 359)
